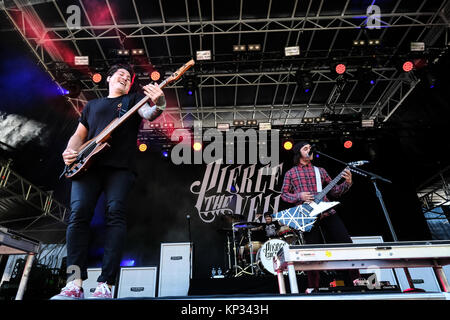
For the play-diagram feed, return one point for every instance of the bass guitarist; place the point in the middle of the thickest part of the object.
(299, 186)
(113, 173)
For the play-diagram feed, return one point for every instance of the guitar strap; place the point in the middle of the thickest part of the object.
(318, 179)
(124, 105)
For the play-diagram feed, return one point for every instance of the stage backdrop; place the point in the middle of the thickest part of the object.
(181, 203)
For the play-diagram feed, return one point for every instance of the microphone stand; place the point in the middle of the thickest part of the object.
(373, 178)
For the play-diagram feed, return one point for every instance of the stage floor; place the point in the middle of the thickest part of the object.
(314, 296)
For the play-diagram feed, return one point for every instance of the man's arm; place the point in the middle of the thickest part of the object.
(157, 96)
(338, 190)
(78, 138)
(286, 188)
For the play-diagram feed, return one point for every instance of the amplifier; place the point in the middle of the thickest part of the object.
(137, 282)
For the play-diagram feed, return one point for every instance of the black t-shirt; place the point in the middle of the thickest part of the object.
(98, 113)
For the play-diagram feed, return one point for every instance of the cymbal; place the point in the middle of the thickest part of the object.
(248, 225)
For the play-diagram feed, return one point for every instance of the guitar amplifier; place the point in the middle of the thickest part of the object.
(137, 282)
(175, 269)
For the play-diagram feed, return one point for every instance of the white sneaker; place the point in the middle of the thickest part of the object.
(70, 292)
(101, 292)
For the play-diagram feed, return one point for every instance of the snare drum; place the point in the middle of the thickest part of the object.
(265, 254)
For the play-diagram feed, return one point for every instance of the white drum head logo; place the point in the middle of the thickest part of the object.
(268, 251)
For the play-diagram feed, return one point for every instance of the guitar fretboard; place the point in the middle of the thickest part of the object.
(330, 186)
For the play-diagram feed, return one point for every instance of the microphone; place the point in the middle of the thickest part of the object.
(312, 150)
(358, 163)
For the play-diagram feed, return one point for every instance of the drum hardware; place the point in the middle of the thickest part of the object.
(239, 247)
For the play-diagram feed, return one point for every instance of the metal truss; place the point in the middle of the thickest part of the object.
(435, 193)
(17, 191)
(240, 26)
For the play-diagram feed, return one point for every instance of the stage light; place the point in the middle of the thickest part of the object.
(155, 75)
(142, 147)
(165, 153)
(340, 68)
(254, 47)
(287, 145)
(137, 52)
(127, 263)
(239, 47)
(72, 89)
(197, 146)
(303, 79)
(190, 84)
(348, 144)
(96, 77)
(407, 66)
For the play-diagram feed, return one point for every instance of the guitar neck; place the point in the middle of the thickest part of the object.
(330, 186)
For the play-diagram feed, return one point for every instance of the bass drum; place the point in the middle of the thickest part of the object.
(265, 254)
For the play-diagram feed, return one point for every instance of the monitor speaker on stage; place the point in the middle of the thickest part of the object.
(137, 282)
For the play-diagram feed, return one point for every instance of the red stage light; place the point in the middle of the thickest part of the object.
(155, 75)
(348, 144)
(340, 68)
(96, 77)
(408, 66)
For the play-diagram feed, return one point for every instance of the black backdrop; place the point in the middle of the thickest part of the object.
(162, 199)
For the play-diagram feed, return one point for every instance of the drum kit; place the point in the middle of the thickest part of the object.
(250, 251)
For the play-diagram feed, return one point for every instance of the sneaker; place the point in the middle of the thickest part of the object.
(70, 292)
(102, 292)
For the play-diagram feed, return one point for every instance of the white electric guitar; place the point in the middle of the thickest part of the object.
(303, 216)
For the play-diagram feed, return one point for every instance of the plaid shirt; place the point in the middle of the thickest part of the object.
(302, 178)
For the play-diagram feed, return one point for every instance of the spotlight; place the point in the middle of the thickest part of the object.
(137, 52)
(142, 147)
(340, 68)
(197, 146)
(165, 153)
(96, 77)
(303, 80)
(287, 145)
(407, 66)
(254, 47)
(155, 75)
(72, 89)
(348, 143)
(190, 84)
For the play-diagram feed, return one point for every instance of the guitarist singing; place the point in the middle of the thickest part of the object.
(299, 186)
(113, 173)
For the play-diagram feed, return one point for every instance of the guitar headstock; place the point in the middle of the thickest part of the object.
(177, 74)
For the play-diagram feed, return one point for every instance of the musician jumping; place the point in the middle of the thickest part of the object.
(113, 173)
(299, 186)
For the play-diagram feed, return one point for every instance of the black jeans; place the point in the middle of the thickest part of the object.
(116, 184)
(334, 231)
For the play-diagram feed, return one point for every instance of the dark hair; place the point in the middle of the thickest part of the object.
(267, 214)
(296, 150)
(118, 66)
